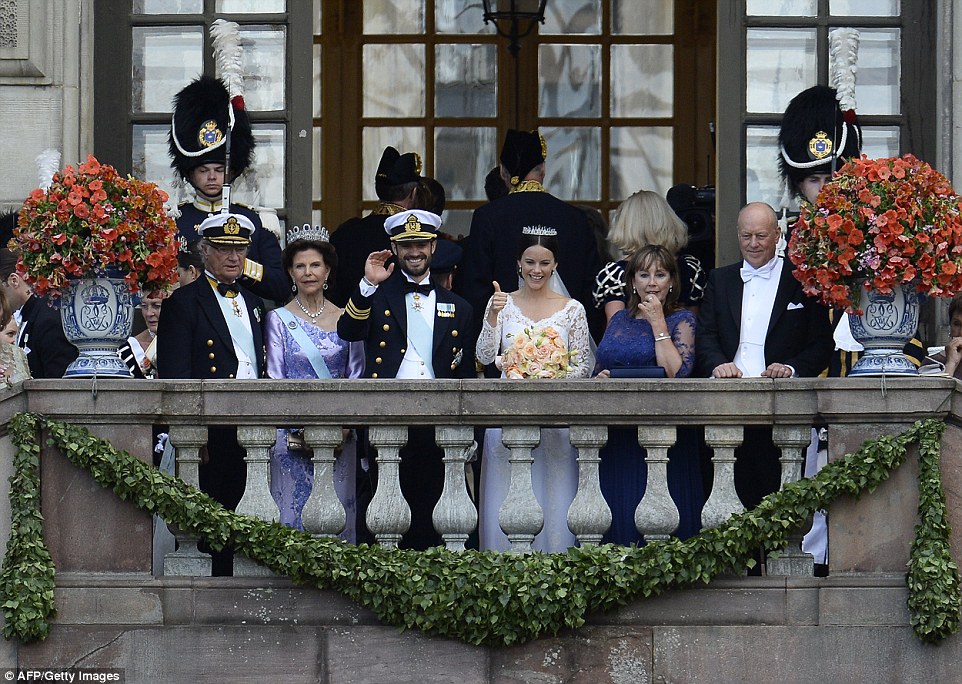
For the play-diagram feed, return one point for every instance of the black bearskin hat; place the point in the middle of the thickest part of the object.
(200, 123)
(521, 152)
(8, 224)
(396, 169)
(815, 136)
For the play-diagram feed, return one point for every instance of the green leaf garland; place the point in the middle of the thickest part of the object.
(479, 597)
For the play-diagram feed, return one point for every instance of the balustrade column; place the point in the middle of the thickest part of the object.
(388, 514)
(257, 501)
(455, 516)
(589, 516)
(521, 517)
(323, 514)
(187, 560)
(793, 440)
(723, 502)
(656, 516)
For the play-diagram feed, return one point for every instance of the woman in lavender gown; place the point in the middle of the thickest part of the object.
(653, 330)
(302, 343)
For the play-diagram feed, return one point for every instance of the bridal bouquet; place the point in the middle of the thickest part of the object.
(538, 353)
(91, 220)
(887, 222)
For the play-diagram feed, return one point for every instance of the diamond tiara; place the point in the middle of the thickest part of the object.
(307, 232)
(538, 230)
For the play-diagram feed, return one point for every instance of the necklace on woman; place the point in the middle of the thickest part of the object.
(307, 312)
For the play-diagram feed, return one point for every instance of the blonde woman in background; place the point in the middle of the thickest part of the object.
(645, 219)
(13, 360)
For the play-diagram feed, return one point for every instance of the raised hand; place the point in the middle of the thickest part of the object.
(499, 299)
(651, 309)
(374, 269)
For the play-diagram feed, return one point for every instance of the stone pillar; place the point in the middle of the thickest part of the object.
(657, 515)
(388, 514)
(323, 514)
(521, 516)
(257, 501)
(793, 440)
(455, 516)
(589, 516)
(187, 560)
(723, 502)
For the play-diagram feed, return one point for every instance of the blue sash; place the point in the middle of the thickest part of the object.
(310, 349)
(420, 334)
(239, 333)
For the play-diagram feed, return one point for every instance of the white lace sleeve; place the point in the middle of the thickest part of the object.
(489, 341)
(579, 338)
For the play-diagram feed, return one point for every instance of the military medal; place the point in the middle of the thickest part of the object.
(417, 301)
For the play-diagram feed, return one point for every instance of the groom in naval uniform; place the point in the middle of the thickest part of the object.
(414, 331)
(212, 329)
(755, 321)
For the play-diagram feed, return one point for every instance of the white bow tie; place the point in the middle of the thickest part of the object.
(747, 272)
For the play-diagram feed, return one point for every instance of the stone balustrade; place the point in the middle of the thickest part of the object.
(123, 411)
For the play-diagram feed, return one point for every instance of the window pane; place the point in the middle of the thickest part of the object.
(780, 64)
(393, 80)
(318, 17)
(164, 60)
(763, 181)
(460, 16)
(642, 78)
(781, 8)
(263, 63)
(393, 16)
(251, 6)
(569, 80)
(317, 169)
(877, 81)
(567, 17)
(641, 158)
(865, 8)
(460, 161)
(457, 222)
(317, 218)
(658, 18)
(466, 80)
(149, 157)
(168, 6)
(374, 140)
(262, 185)
(317, 80)
(880, 141)
(574, 162)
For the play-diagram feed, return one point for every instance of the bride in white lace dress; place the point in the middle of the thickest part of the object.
(539, 333)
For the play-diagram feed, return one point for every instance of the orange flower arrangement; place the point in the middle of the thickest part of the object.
(889, 222)
(90, 220)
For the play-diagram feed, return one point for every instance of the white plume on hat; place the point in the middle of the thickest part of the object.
(48, 163)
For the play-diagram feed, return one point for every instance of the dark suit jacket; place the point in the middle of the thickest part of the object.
(800, 337)
(194, 340)
(381, 322)
(491, 249)
(264, 249)
(353, 241)
(41, 336)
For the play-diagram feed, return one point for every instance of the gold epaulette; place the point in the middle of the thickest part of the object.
(253, 270)
(356, 313)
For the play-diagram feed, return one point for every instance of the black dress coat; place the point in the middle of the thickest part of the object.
(354, 240)
(381, 322)
(41, 337)
(264, 249)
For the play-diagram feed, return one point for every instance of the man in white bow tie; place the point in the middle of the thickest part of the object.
(755, 321)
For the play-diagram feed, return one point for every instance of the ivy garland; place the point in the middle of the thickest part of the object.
(479, 597)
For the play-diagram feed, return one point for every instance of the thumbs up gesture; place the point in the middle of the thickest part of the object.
(499, 299)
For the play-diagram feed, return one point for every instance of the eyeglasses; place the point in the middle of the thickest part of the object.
(229, 249)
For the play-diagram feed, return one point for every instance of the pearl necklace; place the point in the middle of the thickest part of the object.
(312, 316)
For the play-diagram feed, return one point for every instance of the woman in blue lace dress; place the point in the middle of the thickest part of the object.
(653, 330)
(302, 343)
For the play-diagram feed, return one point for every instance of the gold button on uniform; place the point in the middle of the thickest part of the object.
(386, 327)
(210, 343)
(231, 376)
(211, 356)
(404, 351)
(377, 360)
(454, 333)
(387, 312)
(383, 344)
(374, 375)
(213, 369)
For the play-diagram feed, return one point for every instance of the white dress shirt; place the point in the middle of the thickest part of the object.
(758, 298)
